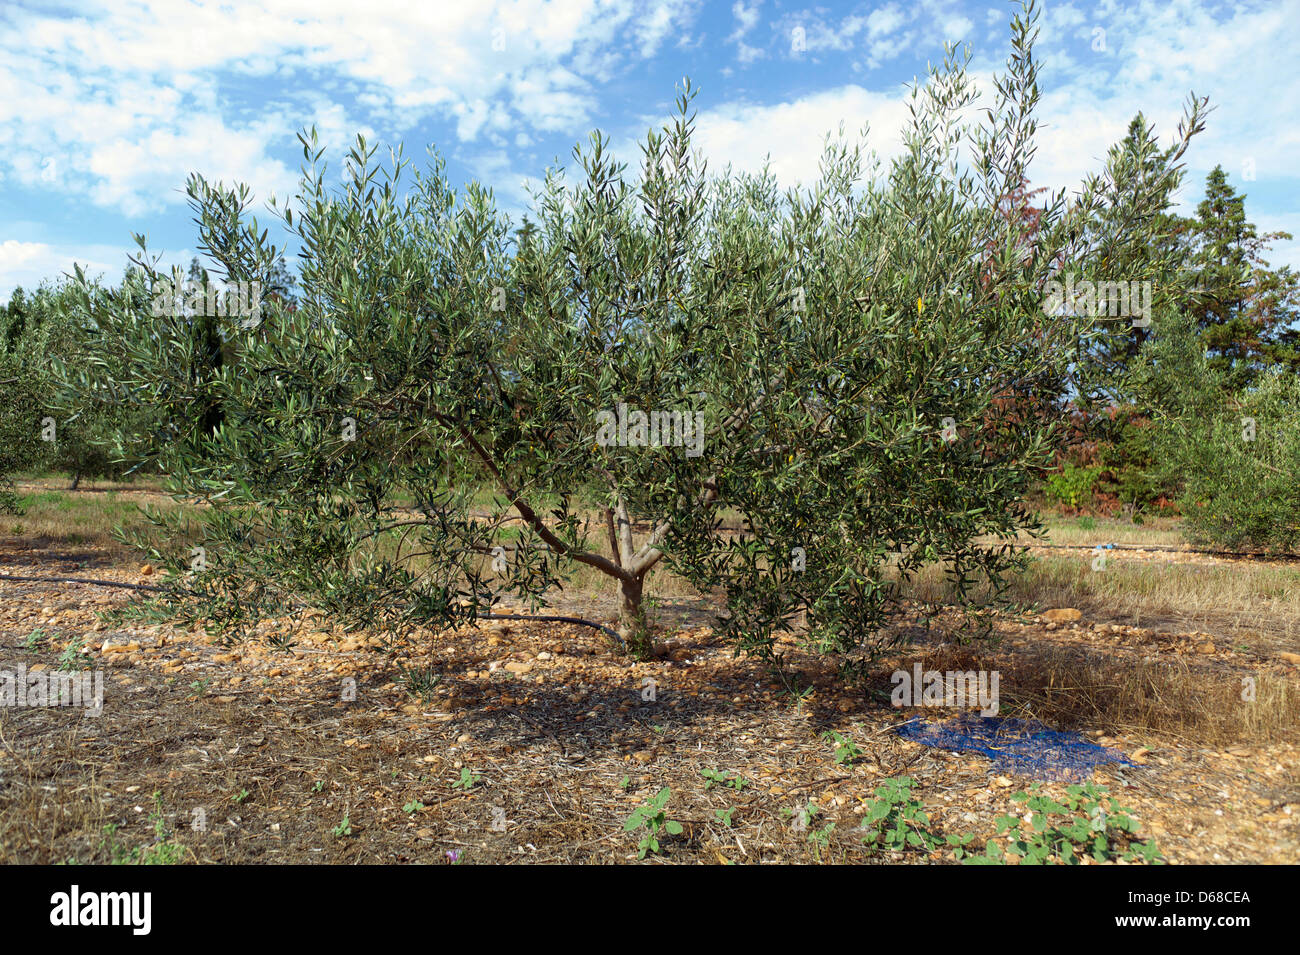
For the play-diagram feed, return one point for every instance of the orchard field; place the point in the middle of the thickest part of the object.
(912, 513)
(560, 743)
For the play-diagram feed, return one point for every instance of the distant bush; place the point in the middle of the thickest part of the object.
(1132, 469)
(1073, 484)
(1241, 469)
(17, 441)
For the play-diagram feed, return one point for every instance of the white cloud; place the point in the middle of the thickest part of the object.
(663, 17)
(746, 19)
(117, 104)
(883, 33)
(789, 135)
(957, 29)
(29, 263)
(884, 21)
(129, 97)
(1156, 54)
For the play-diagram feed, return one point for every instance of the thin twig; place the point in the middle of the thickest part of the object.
(80, 580)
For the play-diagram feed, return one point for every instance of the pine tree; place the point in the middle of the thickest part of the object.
(1243, 309)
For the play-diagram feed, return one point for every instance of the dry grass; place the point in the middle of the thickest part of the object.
(1245, 599)
(1156, 531)
(45, 818)
(1169, 695)
(85, 517)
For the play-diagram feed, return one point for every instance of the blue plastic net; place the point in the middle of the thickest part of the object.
(1020, 746)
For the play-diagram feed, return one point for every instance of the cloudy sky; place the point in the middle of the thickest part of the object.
(106, 107)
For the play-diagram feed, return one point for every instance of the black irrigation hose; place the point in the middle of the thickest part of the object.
(544, 618)
(79, 580)
(1264, 555)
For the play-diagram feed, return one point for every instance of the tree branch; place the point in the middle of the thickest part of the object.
(603, 564)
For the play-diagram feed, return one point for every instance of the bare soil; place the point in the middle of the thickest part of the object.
(259, 755)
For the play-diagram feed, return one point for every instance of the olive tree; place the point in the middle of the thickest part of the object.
(19, 442)
(456, 411)
(1231, 453)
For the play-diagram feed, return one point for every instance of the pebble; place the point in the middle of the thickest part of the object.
(1063, 615)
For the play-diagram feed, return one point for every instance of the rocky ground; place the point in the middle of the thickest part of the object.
(532, 742)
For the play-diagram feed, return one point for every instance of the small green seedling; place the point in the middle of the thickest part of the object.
(896, 821)
(1087, 822)
(846, 751)
(467, 780)
(72, 657)
(716, 777)
(34, 640)
(651, 817)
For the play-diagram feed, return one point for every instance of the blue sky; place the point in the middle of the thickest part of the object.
(106, 107)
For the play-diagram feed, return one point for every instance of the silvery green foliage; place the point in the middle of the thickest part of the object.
(860, 352)
(1232, 455)
(19, 434)
(42, 426)
(1240, 464)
